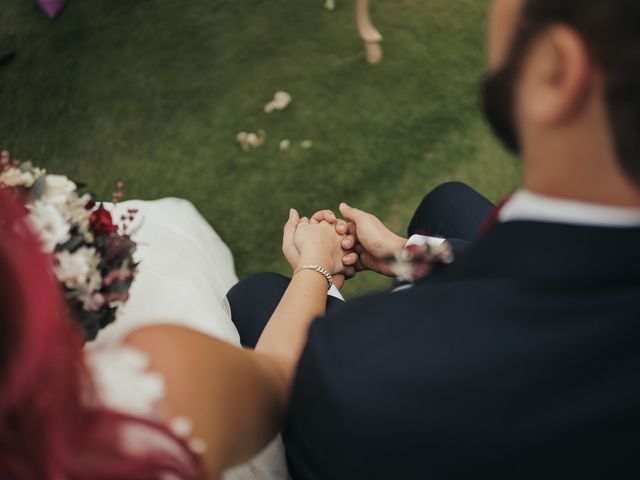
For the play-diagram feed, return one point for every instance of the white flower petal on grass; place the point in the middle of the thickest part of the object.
(79, 269)
(330, 5)
(250, 141)
(281, 100)
(284, 145)
(49, 224)
(306, 144)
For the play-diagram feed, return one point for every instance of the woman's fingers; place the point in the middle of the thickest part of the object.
(323, 216)
(288, 238)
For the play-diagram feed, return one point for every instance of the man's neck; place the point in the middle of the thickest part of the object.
(615, 194)
(577, 160)
(581, 175)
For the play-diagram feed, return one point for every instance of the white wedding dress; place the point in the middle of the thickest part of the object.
(184, 274)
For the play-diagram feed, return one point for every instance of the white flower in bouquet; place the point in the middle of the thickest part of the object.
(57, 190)
(92, 301)
(14, 177)
(92, 257)
(79, 270)
(49, 224)
(79, 216)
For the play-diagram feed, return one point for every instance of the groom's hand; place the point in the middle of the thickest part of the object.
(374, 241)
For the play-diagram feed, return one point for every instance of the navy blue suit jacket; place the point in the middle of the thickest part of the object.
(521, 360)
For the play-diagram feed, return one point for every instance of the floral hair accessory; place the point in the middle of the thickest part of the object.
(416, 262)
(91, 255)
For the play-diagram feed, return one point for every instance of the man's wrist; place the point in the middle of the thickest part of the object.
(338, 280)
(397, 245)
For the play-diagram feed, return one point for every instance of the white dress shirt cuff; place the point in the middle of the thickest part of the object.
(422, 240)
(335, 293)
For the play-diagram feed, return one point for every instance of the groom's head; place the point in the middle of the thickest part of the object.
(564, 69)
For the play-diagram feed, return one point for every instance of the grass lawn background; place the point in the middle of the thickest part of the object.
(154, 92)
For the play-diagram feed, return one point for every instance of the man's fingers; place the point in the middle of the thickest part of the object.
(348, 242)
(350, 272)
(350, 213)
(350, 259)
(304, 220)
(323, 216)
(342, 227)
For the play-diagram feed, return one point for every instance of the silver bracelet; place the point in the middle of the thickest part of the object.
(316, 268)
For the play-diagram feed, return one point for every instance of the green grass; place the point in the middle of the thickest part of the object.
(154, 92)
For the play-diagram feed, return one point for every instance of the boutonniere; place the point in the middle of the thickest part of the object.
(416, 262)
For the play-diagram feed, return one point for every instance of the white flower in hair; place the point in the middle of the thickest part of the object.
(49, 224)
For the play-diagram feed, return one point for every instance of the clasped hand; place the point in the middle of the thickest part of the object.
(362, 242)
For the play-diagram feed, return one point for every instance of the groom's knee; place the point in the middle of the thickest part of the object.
(252, 302)
(258, 284)
(434, 203)
(446, 193)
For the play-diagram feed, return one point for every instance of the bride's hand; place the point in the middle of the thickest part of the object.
(293, 254)
(320, 244)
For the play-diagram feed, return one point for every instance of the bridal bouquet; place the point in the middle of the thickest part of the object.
(92, 256)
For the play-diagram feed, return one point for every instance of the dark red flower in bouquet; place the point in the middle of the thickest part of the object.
(101, 222)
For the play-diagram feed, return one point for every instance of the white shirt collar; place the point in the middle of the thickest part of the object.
(529, 206)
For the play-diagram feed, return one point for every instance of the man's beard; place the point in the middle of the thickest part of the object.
(497, 91)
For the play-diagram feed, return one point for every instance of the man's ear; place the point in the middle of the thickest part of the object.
(559, 76)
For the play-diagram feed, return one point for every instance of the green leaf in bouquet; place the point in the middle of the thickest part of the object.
(119, 287)
(26, 166)
(73, 244)
(89, 322)
(38, 187)
(108, 316)
(91, 330)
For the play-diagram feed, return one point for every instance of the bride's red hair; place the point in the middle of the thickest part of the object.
(51, 423)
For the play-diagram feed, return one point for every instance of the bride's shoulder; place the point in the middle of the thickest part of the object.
(124, 381)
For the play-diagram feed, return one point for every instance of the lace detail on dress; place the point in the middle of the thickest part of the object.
(124, 383)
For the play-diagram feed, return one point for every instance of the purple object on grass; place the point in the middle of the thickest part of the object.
(51, 7)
